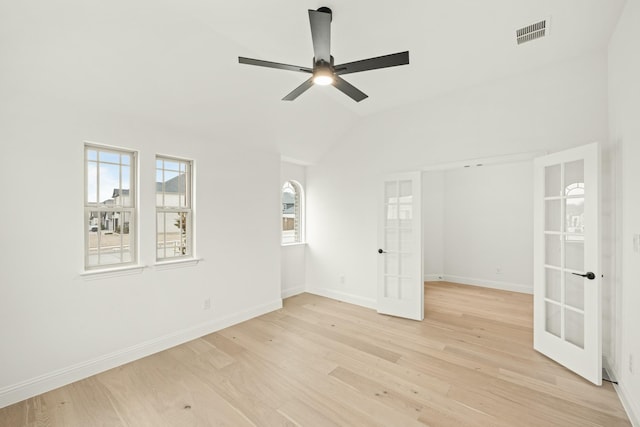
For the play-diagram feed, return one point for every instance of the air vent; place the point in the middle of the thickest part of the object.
(532, 32)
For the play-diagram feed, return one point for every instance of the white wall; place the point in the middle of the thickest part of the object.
(551, 108)
(478, 225)
(624, 96)
(488, 226)
(293, 256)
(55, 326)
(433, 224)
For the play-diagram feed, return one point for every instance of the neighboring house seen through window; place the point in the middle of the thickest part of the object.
(292, 213)
(110, 207)
(173, 208)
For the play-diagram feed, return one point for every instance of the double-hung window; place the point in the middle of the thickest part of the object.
(174, 215)
(109, 207)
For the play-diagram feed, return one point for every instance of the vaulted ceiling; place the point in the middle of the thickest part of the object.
(175, 62)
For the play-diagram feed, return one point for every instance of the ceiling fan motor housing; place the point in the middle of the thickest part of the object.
(325, 9)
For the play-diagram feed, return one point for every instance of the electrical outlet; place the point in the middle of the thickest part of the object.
(207, 304)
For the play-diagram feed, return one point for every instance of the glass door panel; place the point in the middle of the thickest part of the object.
(564, 195)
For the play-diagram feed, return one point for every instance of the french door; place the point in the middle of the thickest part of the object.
(567, 293)
(400, 277)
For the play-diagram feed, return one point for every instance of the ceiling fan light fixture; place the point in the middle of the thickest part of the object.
(323, 77)
(323, 71)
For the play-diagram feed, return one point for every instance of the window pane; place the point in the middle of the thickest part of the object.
(109, 238)
(160, 236)
(92, 182)
(172, 234)
(574, 252)
(405, 191)
(124, 198)
(552, 284)
(123, 228)
(552, 181)
(553, 215)
(552, 318)
(109, 181)
(390, 192)
(171, 165)
(290, 212)
(574, 290)
(574, 327)
(574, 178)
(106, 156)
(574, 213)
(92, 155)
(171, 189)
(552, 250)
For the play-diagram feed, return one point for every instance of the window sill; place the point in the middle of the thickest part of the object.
(165, 265)
(293, 244)
(112, 272)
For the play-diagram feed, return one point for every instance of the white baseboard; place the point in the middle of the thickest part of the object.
(43, 383)
(505, 286)
(630, 405)
(345, 297)
(433, 277)
(286, 293)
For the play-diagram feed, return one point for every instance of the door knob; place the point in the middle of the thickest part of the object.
(589, 275)
(380, 251)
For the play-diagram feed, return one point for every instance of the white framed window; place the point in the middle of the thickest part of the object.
(174, 208)
(292, 213)
(109, 207)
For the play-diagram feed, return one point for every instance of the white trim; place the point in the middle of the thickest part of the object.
(505, 286)
(433, 277)
(286, 293)
(284, 245)
(112, 272)
(293, 161)
(182, 262)
(344, 297)
(510, 158)
(629, 405)
(49, 381)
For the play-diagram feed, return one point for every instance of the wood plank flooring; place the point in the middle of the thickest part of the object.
(319, 362)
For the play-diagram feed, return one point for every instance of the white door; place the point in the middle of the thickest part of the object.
(566, 296)
(400, 278)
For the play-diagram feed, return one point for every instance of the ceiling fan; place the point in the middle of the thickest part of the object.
(324, 72)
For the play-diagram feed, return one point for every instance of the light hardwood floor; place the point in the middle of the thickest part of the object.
(321, 362)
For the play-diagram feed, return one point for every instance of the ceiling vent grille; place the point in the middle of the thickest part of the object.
(532, 32)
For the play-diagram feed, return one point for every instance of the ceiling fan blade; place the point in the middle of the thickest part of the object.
(270, 64)
(348, 89)
(320, 21)
(393, 60)
(299, 90)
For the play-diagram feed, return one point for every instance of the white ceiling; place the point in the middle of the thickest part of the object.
(176, 62)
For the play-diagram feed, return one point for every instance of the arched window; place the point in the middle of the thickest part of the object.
(292, 213)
